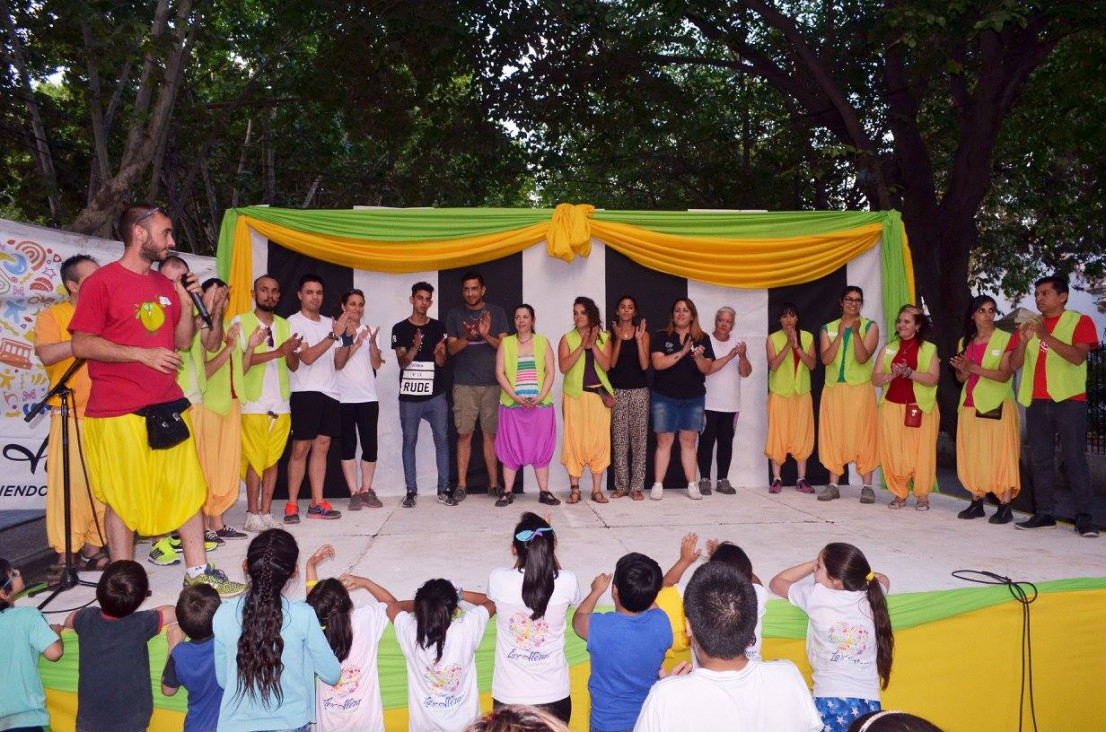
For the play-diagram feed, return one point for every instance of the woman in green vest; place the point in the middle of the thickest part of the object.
(790, 408)
(988, 441)
(906, 368)
(584, 355)
(527, 431)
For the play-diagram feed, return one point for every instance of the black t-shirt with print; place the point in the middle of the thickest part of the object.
(423, 378)
(684, 380)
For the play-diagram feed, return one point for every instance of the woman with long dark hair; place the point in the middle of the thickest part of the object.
(847, 416)
(532, 598)
(358, 404)
(584, 355)
(269, 649)
(909, 418)
(630, 417)
(988, 440)
(790, 408)
(682, 357)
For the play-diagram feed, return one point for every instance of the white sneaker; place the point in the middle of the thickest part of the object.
(254, 522)
(656, 493)
(693, 491)
(270, 522)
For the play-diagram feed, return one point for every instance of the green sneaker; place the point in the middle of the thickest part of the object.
(163, 554)
(209, 546)
(218, 579)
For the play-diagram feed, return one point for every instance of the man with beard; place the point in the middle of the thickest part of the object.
(265, 339)
(129, 324)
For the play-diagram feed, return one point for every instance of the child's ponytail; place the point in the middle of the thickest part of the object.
(333, 607)
(270, 561)
(848, 564)
(435, 603)
(535, 544)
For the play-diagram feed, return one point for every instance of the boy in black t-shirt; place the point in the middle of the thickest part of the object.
(113, 689)
(419, 343)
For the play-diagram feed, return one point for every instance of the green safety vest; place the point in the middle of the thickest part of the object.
(573, 384)
(844, 366)
(988, 393)
(789, 380)
(253, 381)
(510, 366)
(192, 367)
(1064, 378)
(924, 396)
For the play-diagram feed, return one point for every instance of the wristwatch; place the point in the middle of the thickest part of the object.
(333, 336)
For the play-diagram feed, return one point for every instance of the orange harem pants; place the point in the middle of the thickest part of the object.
(790, 427)
(219, 444)
(908, 453)
(847, 428)
(85, 512)
(587, 435)
(987, 452)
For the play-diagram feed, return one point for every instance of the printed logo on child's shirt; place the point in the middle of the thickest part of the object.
(444, 682)
(849, 641)
(530, 636)
(343, 695)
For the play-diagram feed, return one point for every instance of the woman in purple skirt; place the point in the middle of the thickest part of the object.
(527, 430)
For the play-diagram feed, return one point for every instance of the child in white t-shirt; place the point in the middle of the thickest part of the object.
(533, 598)
(849, 640)
(353, 704)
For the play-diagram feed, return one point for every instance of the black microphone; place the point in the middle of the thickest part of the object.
(197, 300)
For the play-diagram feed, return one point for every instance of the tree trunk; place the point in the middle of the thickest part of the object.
(241, 163)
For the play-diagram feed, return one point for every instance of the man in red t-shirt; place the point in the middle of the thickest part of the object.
(129, 324)
(1055, 348)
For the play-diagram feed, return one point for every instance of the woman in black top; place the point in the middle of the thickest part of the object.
(630, 420)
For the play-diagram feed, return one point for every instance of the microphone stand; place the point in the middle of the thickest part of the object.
(69, 578)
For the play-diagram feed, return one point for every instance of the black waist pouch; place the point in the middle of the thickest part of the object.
(165, 427)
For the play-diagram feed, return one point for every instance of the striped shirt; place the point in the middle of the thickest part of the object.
(526, 377)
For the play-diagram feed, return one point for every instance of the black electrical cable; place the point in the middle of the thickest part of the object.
(1025, 593)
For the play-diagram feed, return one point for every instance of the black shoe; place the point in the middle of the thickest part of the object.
(548, 499)
(1037, 521)
(450, 499)
(409, 501)
(973, 511)
(1003, 516)
(505, 499)
(1084, 526)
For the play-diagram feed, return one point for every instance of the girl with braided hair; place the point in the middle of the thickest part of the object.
(269, 649)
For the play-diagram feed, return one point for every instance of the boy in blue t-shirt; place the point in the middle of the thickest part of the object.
(627, 646)
(192, 664)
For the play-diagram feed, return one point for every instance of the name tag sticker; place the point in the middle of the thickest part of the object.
(831, 333)
(890, 350)
(996, 352)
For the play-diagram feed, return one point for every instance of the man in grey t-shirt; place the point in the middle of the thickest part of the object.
(474, 332)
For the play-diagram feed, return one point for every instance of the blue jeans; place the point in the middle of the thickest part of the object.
(436, 412)
(1044, 421)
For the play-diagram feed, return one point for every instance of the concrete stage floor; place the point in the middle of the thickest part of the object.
(401, 548)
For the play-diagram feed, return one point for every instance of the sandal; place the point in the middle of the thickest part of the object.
(548, 499)
(921, 504)
(573, 494)
(897, 504)
(95, 562)
(598, 497)
(506, 498)
(619, 493)
(637, 495)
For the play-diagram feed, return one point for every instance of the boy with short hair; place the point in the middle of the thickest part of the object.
(113, 689)
(627, 646)
(191, 664)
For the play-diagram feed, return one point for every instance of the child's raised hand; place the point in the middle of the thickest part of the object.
(712, 547)
(601, 583)
(689, 548)
(350, 581)
(326, 551)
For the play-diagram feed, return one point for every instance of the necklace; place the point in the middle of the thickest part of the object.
(527, 340)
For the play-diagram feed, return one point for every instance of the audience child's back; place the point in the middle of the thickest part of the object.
(24, 635)
(113, 689)
(191, 664)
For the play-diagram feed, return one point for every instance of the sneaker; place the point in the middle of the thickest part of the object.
(211, 537)
(725, 488)
(656, 493)
(693, 492)
(255, 522)
(218, 579)
(776, 487)
(460, 492)
(704, 487)
(442, 497)
(1084, 526)
(973, 511)
(368, 498)
(1037, 521)
(450, 500)
(270, 522)
(209, 546)
(355, 502)
(803, 486)
(1002, 516)
(163, 554)
(291, 513)
(867, 495)
(323, 511)
(829, 493)
(409, 501)
(228, 533)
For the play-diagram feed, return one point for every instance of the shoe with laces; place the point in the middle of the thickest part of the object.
(368, 498)
(1084, 526)
(829, 493)
(291, 513)
(217, 579)
(270, 522)
(705, 487)
(255, 522)
(1037, 521)
(163, 554)
(323, 510)
(355, 502)
(973, 511)
(409, 501)
(656, 493)
(209, 546)
(228, 533)
(867, 495)
(211, 537)
(693, 492)
(1002, 516)
(725, 488)
(803, 486)
(776, 487)
(460, 492)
